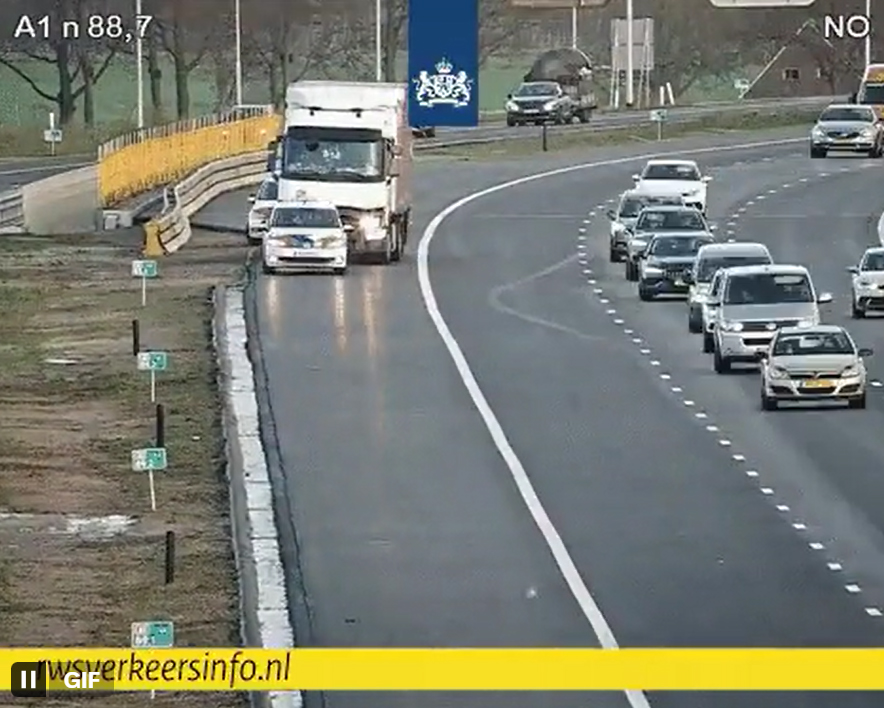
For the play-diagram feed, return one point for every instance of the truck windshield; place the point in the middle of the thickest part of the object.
(332, 159)
(872, 94)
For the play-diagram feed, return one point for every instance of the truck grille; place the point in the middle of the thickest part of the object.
(763, 326)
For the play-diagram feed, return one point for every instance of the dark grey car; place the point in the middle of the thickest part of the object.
(539, 102)
(847, 128)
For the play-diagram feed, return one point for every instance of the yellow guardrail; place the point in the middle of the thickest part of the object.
(144, 160)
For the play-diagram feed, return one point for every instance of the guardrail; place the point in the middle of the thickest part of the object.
(171, 230)
(12, 211)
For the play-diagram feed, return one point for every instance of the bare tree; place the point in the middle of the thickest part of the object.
(79, 61)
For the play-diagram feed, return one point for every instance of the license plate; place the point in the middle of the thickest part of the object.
(844, 141)
(531, 110)
(817, 383)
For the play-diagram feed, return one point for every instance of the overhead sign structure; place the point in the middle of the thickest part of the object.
(642, 44)
(762, 3)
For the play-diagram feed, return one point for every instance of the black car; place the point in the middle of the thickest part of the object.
(667, 262)
(419, 131)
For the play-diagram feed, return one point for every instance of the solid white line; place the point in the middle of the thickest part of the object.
(565, 563)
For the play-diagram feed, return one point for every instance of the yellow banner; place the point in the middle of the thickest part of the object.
(457, 669)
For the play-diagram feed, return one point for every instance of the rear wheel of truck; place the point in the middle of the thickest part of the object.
(583, 116)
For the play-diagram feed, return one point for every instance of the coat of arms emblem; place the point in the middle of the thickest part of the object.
(445, 87)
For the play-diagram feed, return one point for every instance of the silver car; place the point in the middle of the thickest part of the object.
(847, 128)
(710, 259)
(755, 302)
(623, 219)
(867, 284)
(813, 364)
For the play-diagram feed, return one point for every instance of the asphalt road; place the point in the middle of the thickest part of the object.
(410, 530)
(17, 172)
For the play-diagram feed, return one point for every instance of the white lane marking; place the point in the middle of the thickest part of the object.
(604, 300)
(835, 566)
(767, 491)
(798, 526)
(644, 351)
(853, 588)
(676, 389)
(618, 322)
(689, 403)
(665, 377)
(782, 507)
(611, 312)
(724, 442)
(627, 331)
(751, 473)
(817, 546)
(712, 428)
(566, 565)
(700, 415)
(737, 457)
(874, 612)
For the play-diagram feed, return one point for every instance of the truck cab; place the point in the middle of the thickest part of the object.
(871, 89)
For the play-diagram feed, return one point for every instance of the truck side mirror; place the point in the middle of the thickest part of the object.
(852, 98)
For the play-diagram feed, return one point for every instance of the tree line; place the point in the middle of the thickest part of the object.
(284, 40)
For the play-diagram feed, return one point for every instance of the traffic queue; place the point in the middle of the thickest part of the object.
(747, 308)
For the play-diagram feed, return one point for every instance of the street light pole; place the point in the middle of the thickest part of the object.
(868, 39)
(139, 64)
(574, 25)
(630, 68)
(238, 21)
(378, 40)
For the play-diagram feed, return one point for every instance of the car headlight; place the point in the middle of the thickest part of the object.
(512, 106)
(778, 372)
(732, 326)
(549, 105)
(807, 322)
(850, 371)
(818, 133)
(333, 242)
(868, 132)
(652, 270)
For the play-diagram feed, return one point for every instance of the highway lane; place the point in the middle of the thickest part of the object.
(17, 172)
(821, 464)
(701, 557)
(410, 531)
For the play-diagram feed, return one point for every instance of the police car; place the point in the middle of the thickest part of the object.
(305, 236)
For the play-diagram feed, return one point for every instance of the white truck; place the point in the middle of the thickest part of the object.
(349, 143)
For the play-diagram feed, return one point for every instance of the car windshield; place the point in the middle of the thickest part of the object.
(545, 89)
(268, 192)
(768, 289)
(676, 246)
(630, 207)
(671, 171)
(707, 267)
(670, 220)
(813, 343)
(853, 115)
(307, 217)
(872, 94)
(873, 261)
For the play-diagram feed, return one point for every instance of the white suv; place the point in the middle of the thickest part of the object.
(755, 301)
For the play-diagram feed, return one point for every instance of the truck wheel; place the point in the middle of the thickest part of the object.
(583, 116)
(396, 251)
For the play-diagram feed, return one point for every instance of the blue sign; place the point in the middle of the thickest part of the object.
(443, 63)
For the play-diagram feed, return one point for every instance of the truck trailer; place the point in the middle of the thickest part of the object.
(349, 143)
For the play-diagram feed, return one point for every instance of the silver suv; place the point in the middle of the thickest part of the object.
(710, 259)
(754, 302)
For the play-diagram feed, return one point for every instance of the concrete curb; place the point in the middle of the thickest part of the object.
(264, 605)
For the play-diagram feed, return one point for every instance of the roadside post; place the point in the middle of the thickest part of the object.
(144, 270)
(53, 135)
(153, 362)
(150, 460)
(658, 116)
(153, 635)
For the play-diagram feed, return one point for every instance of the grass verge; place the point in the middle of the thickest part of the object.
(83, 550)
(560, 140)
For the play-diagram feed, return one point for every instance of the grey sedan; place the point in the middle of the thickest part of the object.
(847, 128)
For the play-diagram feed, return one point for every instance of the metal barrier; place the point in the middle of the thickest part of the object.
(143, 160)
(12, 211)
(171, 230)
